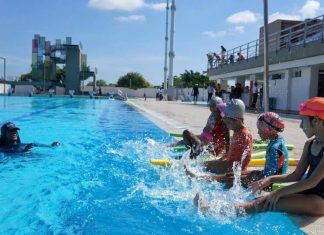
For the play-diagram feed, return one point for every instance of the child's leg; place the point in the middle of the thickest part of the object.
(310, 204)
(190, 139)
(219, 166)
(199, 201)
(253, 176)
(245, 179)
(193, 142)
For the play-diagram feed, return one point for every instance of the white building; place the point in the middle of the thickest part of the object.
(296, 63)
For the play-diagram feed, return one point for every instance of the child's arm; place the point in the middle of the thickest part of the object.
(54, 144)
(311, 182)
(227, 138)
(205, 176)
(292, 177)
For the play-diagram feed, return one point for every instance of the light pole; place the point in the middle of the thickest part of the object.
(266, 58)
(130, 83)
(44, 81)
(4, 75)
(165, 85)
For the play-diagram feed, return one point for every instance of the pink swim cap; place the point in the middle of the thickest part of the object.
(270, 123)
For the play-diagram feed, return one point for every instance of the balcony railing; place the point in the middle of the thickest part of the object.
(299, 34)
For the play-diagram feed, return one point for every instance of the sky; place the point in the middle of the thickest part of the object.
(121, 36)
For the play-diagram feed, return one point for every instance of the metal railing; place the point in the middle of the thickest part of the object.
(300, 34)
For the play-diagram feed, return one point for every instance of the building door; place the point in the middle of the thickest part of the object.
(320, 92)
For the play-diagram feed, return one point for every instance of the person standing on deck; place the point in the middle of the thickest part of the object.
(210, 91)
(195, 93)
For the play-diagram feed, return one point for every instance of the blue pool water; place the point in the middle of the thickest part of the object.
(99, 181)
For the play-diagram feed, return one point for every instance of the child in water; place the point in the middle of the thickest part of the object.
(269, 125)
(306, 196)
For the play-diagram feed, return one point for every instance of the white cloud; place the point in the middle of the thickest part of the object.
(282, 16)
(130, 18)
(157, 6)
(126, 5)
(239, 29)
(217, 34)
(310, 9)
(223, 33)
(243, 17)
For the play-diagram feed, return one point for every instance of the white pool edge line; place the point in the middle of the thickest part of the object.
(158, 118)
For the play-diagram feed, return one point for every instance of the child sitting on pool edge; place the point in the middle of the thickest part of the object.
(242, 142)
(215, 133)
(10, 140)
(306, 196)
(269, 125)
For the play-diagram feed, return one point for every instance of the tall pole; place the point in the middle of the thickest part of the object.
(4, 75)
(266, 59)
(165, 85)
(44, 80)
(171, 53)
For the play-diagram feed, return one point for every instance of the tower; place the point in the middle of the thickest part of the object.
(171, 52)
(165, 85)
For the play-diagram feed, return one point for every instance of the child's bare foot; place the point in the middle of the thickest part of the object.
(201, 203)
(189, 172)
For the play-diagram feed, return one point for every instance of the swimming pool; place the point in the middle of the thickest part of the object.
(99, 181)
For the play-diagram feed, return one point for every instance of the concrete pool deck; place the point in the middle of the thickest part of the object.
(175, 116)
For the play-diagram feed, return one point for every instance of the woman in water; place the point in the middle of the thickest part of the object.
(10, 141)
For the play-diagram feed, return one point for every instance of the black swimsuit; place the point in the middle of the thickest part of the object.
(313, 163)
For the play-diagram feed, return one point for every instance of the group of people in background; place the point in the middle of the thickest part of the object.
(235, 92)
(159, 94)
(305, 196)
(215, 59)
(257, 93)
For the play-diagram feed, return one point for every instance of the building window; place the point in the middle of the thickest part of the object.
(278, 76)
(297, 73)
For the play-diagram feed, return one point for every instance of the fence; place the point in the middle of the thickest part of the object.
(299, 34)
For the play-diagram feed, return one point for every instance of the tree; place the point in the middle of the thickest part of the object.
(60, 73)
(99, 82)
(177, 81)
(133, 80)
(190, 78)
(25, 77)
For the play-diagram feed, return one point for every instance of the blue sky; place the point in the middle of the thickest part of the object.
(121, 36)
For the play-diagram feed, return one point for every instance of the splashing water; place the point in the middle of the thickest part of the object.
(100, 181)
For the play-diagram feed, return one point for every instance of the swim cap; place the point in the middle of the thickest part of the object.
(8, 127)
(270, 123)
(235, 108)
(215, 100)
(313, 107)
(218, 102)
